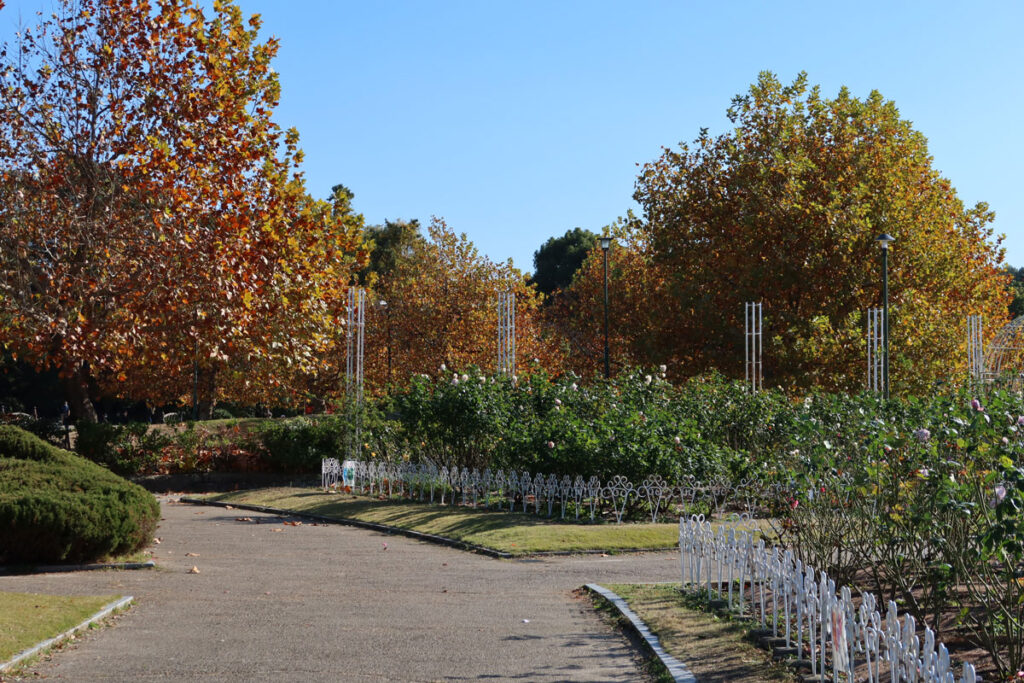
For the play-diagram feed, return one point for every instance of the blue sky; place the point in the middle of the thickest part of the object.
(517, 121)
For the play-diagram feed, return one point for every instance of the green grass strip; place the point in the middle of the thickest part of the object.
(515, 533)
(27, 619)
(715, 649)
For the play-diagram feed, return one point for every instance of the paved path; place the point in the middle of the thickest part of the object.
(318, 603)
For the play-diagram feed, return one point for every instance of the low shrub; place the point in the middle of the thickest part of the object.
(50, 430)
(127, 450)
(298, 444)
(59, 507)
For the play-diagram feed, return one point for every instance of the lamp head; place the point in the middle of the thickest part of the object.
(884, 239)
(606, 242)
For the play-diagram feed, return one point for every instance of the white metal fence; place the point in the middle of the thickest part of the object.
(839, 637)
(538, 493)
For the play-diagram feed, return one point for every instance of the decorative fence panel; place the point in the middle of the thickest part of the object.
(808, 610)
(541, 494)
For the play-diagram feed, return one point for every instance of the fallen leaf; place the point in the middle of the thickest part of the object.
(191, 554)
(277, 530)
(293, 523)
(526, 621)
(243, 519)
(385, 546)
(194, 570)
(201, 512)
(229, 507)
(157, 541)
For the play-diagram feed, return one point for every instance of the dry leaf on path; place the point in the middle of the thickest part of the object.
(194, 570)
(293, 523)
(157, 541)
(191, 554)
(243, 519)
(278, 530)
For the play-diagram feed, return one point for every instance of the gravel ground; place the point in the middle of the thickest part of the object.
(282, 602)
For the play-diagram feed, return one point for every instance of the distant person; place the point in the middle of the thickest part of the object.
(65, 413)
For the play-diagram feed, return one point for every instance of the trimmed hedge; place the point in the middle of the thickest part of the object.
(58, 507)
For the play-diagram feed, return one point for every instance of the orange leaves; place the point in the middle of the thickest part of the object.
(784, 210)
(169, 219)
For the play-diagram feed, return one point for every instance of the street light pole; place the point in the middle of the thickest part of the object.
(883, 241)
(387, 322)
(606, 243)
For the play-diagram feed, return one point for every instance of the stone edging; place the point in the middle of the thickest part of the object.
(676, 669)
(36, 649)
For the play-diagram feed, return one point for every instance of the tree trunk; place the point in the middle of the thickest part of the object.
(76, 388)
(207, 392)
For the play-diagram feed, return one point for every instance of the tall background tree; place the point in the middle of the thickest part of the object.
(557, 261)
(784, 209)
(151, 216)
(440, 308)
(1016, 291)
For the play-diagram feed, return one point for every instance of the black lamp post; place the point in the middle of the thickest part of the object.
(606, 243)
(387, 318)
(884, 240)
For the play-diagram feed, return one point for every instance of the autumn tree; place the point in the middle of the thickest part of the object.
(784, 209)
(151, 215)
(441, 309)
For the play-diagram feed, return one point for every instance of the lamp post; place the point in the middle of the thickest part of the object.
(884, 240)
(606, 243)
(387, 319)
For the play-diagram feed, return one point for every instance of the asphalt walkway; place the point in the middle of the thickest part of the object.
(276, 602)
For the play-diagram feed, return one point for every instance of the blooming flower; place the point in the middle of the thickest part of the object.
(551, 444)
(465, 378)
(1006, 441)
(1000, 493)
(677, 439)
(976, 405)
(647, 379)
(558, 402)
(923, 435)
(1020, 421)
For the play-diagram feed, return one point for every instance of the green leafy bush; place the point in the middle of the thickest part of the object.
(50, 430)
(127, 450)
(59, 507)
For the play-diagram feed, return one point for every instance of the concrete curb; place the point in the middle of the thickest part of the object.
(57, 568)
(102, 614)
(383, 528)
(676, 669)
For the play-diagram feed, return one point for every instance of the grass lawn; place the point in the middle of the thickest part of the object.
(713, 648)
(519, 534)
(27, 619)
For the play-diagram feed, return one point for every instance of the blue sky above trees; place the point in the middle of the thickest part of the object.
(517, 121)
